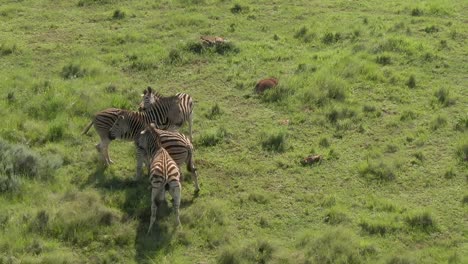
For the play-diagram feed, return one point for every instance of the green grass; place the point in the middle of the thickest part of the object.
(377, 89)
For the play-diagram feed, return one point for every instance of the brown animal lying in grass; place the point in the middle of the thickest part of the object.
(211, 41)
(265, 84)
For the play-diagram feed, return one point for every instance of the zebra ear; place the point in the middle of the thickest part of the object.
(121, 117)
(143, 132)
(150, 90)
(153, 125)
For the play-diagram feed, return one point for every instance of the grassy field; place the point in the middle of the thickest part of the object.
(377, 88)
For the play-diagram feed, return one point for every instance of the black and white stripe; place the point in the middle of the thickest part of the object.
(184, 108)
(176, 144)
(164, 172)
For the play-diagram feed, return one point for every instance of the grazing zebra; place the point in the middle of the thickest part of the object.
(164, 172)
(176, 144)
(185, 107)
(164, 113)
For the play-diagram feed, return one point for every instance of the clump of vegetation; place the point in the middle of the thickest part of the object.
(212, 137)
(118, 14)
(258, 252)
(214, 112)
(324, 142)
(438, 122)
(390, 148)
(400, 260)
(377, 171)
(92, 2)
(462, 152)
(443, 97)
(56, 131)
(384, 59)
(336, 246)
(7, 49)
(226, 47)
(411, 83)
(449, 174)
(10, 183)
(174, 56)
(461, 124)
(431, 29)
(274, 141)
(73, 71)
(331, 38)
(334, 115)
(335, 216)
(258, 197)
(465, 199)
(238, 8)
(408, 115)
(18, 160)
(303, 33)
(195, 47)
(422, 221)
(277, 94)
(417, 12)
(377, 227)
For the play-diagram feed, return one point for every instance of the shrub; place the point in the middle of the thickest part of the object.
(212, 137)
(277, 94)
(334, 88)
(384, 60)
(195, 47)
(258, 197)
(324, 142)
(422, 221)
(56, 131)
(274, 141)
(438, 122)
(258, 252)
(118, 14)
(408, 115)
(416, 12)
(377, 171)
(73, 71)
(449, 174)
(214, 112)
(7, 49)
(225, 48)
(431, 29)
(465, 199)
(377, 227)
(462, 152)
(334, 115)
(237, 8)
(301, 32)
(331, 38)
(411, 83)
(338, 246)
(335, 216)
(443, 96)
(174, 57)
(18, 160)
(390, 148)
(10, 183)
(461, 124)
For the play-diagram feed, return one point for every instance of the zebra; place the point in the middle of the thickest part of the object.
(176, 144)
(164, 172)
(131, 126)
(185, 105)
(165, 113)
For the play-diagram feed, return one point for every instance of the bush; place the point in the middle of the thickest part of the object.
(18, 160)
(411, 83)
(258, 252)
(377, 227)
(338, 246)
(438, 122)
(330, 38)
(443, 96)
(422, 221)
(225, 48)
(118, 14)
(377, 171)
(274, 141)
(237, 9)
(212, 137)
(214, 112)
(195, 47)
(416, 12)
(276, 94)
(335, 216)
(73, 71)
(384, 60)
(324, 143)
(462, 124)
(408, 115)
(174, 57)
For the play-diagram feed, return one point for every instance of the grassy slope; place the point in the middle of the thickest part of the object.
(255, 204)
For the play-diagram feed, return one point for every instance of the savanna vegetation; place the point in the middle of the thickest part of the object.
(378, 89)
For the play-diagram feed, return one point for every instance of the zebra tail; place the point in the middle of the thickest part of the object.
(87, 128)
(190, 165)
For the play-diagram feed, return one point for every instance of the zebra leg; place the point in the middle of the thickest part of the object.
(190, 122)
(139, 167)
(195, 180)
(155, 195)
(174, 190)
(105, 151)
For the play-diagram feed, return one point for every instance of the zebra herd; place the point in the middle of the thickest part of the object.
(158, 144)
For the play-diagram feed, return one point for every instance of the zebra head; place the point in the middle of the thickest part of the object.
(149, 139)
(119, 128)
(149, 98)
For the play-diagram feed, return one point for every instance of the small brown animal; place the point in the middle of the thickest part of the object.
(265, 84)
(211, 41)
(311, 160)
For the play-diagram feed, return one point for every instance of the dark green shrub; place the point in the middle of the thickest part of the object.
(391, 148)
(56, 131)
(73, 71)
(443, 96)
(330, 38)
(431, 29)
(377, 171)
(174, 57)
(465, 199)
(258, 252)
(10, 183)
(462, 124)
(7, 49)
(335, 216)
(384, 60)
(449, 174)
(214, 112)
(277, 94)
(411, 83)
(301, 32)
(212, 137)
(274, 141)
(237, 9)
(422, 221)
(438, 122)
(408, 115)
(416, 12)
(118, 14)
(225, 48)
(324, 142)
(195, 47)
(462, 152)
(376, 227)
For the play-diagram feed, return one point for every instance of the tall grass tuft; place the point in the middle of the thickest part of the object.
(337, 245)
(258, 252)
(438, 122)
(462, 152)
(443, 97)
(7, 49)
(377, 170)
(214, 112)
(411, 83)
(73, 71)
(422, 221)
(277, 94)
(212, 137)
(274, 141)
(118, 14)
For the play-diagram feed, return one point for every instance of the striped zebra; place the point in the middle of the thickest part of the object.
(164, 172)
(165, 113)
(185, 106)
(176, 144)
